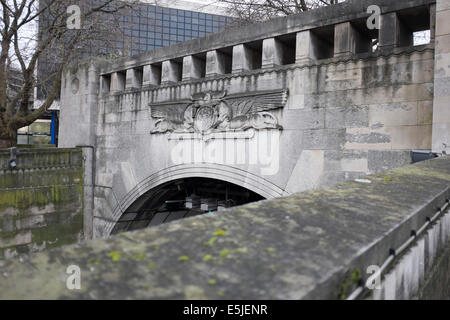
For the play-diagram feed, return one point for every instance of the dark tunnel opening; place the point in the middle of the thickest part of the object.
(180, 199)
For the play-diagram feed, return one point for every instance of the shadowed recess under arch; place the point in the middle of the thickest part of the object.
(182, 198)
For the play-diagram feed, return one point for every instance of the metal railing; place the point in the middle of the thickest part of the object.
(394, 253)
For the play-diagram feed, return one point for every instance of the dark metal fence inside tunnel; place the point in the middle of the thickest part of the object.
(180, 199)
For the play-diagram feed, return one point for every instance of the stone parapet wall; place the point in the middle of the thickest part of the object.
(312, 245)
(41, 200)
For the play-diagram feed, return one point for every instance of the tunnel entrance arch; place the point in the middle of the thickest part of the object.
(183, 198)
(255, 183)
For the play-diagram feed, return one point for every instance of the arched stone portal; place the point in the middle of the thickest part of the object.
(137, 197)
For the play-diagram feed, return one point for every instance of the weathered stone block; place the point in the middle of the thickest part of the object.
(242, 58)
(310, 47)
(349, 117)
(380, 160)
(425, 112)
(443, 65)
(413, 92)
(22, 237)
(367, 139)
(7, 223)
(272, 54)
(348, 40)
(193, 68)
(442, 25)
(151, 75)
(411, 137)
(324, 139)
(118, 81)
(133, 79)
(307, 171)
(305, 50)
(441, 137)
(171, 72)
(442, 5)
(393, 32)
(304, 119)
(442, 87)
(393, 114)
(31, 222)
(422, 71)
(345, 161)
(217, 63)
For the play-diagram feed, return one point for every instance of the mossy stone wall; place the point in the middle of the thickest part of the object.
(41, 200)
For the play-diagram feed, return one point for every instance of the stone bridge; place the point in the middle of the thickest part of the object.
(276, 108)
(320, 244)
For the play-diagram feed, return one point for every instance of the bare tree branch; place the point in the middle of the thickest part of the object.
(54, 41)
(250, 11)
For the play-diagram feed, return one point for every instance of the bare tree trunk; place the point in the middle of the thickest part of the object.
(7, 142)
(8, 138)
(55, 38)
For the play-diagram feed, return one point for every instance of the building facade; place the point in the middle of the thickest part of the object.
(148, 27)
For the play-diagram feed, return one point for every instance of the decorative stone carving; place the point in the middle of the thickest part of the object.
(75, 85)
(216, 112)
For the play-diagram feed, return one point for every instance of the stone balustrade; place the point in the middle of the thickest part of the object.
(339, 31)
(41, 200)
(45, 158)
